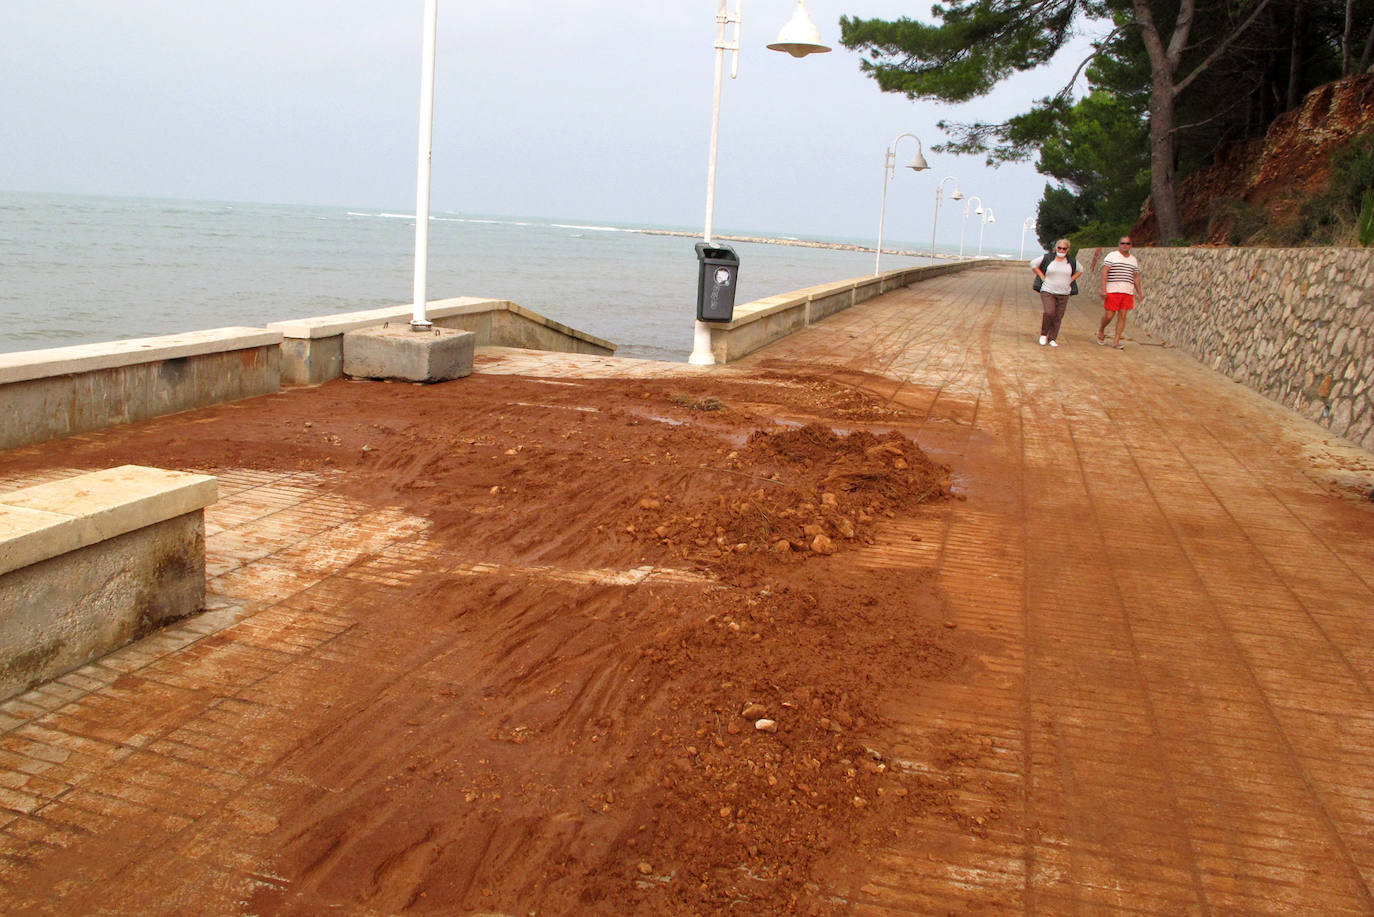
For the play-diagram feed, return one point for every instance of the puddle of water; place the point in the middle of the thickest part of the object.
(559, 407)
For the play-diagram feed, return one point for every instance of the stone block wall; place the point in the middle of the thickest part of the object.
(1294, 324)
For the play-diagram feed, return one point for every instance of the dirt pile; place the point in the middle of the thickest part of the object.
(818, 490)
(545, 729)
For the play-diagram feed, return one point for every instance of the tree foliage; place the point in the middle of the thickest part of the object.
(1195, 75)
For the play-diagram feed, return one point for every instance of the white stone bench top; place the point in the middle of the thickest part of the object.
(82, 358)
(323, 326)
(51, 519)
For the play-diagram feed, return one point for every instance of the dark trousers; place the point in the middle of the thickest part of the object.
(1054, 305)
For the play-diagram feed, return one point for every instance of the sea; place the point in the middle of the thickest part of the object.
(78, 270)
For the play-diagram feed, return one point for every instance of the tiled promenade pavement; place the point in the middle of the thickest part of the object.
(1171, 580)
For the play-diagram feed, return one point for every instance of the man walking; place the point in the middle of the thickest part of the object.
(1120, 287)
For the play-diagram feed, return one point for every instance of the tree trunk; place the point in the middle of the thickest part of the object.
(1345, 37)
(1295, 59)
(1163, 62)
(1163, 193)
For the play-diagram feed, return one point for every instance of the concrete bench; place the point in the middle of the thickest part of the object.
(94, 561)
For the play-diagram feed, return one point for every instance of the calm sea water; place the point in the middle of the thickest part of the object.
(77, 270)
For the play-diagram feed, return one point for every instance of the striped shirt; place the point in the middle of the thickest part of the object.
(1122, 271)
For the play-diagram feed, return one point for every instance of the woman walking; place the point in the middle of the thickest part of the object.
(1056, 279)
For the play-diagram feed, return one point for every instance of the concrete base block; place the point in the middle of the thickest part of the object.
(397, 352)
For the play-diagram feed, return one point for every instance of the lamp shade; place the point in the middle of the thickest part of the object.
(957, 195)
(918, 163)
(800, 37)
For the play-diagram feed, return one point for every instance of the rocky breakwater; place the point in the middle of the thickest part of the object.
(801, 243)
(1295, 325)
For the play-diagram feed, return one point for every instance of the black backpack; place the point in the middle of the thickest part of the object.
(1045, 262)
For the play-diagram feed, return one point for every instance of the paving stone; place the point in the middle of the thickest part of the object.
(1171, 600)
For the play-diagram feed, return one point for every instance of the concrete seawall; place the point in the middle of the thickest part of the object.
(1295, 325)
(45, 394)
(763, 321)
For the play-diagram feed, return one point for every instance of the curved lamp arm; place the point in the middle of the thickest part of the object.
(918, 163)
(958, 195)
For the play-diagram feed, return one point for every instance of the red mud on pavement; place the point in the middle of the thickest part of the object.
(528, 744)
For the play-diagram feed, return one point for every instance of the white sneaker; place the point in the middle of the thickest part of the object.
(1054, 343)
(1043, 340)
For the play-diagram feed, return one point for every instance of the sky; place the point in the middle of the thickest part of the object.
(591, 110)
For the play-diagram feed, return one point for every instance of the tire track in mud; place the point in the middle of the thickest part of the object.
(882, 363)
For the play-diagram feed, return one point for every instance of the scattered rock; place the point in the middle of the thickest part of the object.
(766, 725)
(753, 711)
(645, 869)
(822, 544)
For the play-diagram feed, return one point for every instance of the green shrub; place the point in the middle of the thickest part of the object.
(1352, 170)
(1336, 216)
(1099, 235)
(1242, 219)
(1366, 226)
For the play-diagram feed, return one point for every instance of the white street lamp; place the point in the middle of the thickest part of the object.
(419, 321)
(1027, 223)
(967, 203)
(799, 37)
(956, 196)
(917, 164)
(988, 217)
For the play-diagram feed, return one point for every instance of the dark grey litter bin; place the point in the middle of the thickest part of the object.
(718, 270)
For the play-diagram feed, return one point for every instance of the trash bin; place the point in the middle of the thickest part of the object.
(718, 271)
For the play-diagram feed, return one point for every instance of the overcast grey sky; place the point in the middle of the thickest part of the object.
(595, 110)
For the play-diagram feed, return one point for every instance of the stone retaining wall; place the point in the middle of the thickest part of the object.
(1294, 324)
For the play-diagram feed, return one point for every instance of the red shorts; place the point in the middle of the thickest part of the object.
(1119, 302)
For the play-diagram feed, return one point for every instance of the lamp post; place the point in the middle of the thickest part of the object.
(917, 164)
(988, 217)
(939, 190)
(419, 321)
(1027, 223)
(967, 203)
(799, 37)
